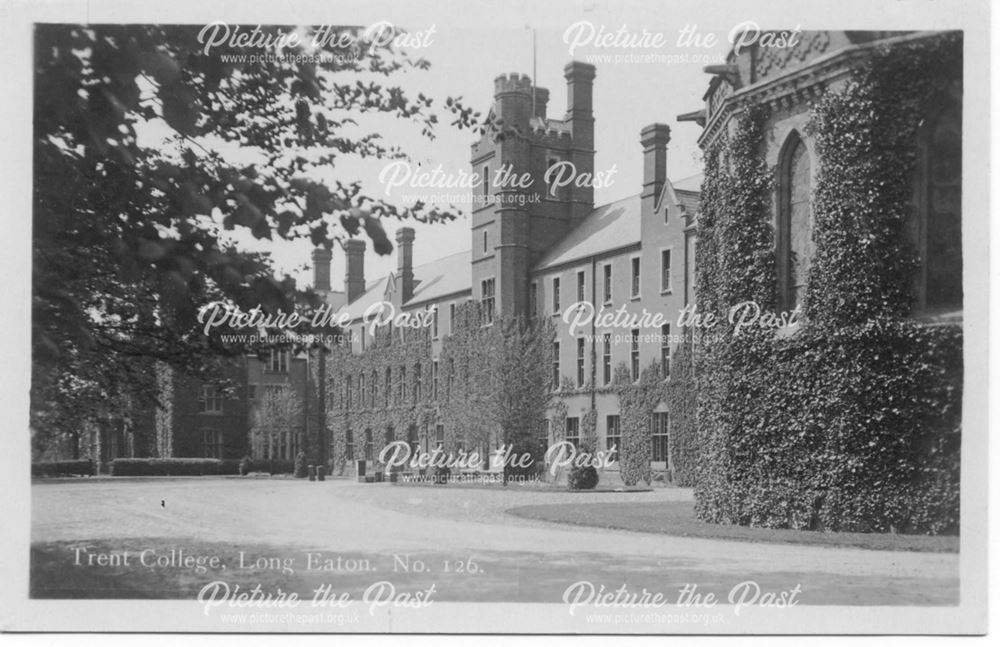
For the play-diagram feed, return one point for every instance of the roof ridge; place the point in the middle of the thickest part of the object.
(415, 267)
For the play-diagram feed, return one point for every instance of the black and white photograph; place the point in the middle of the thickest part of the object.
(576, 317)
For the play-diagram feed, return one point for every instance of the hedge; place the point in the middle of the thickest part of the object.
(63, 468)
(173, 466)
(276, 466)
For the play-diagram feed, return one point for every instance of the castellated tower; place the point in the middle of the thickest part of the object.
(512, 226)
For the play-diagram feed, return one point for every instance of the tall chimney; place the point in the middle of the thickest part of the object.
(354, 274)
(541, 103)
(580, 101)
(321, 258)
(580, 115)
(404, 250)
(654, 139)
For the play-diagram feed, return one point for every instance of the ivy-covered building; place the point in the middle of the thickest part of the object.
(544, 252)
(833, 187)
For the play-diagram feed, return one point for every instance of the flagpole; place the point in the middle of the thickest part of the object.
(534, 67)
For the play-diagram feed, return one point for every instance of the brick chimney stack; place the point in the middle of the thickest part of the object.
(354, 274)
(580, 101)
(580, 115)
(404, 250)
(654, 139)
(321, 258)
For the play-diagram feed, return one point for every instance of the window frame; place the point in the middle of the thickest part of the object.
(634, 354)
(575, 428)
(608, 283)
(783, 220)
(213, 447)
(556, 297)
(667, 271)
(487, 304)
(209, 394)
(607, 353)
(635, 287)
(663, 435)
(665, 351)
(609, 436)
(556, 368)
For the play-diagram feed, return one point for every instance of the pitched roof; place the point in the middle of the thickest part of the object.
(611, 226)
(690, 200)
(691, 184)
(442, 277)
(608, 227)
(433, 280)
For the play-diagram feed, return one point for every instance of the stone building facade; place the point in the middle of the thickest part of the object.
(787, 82)
(537, 252)
(832, 190)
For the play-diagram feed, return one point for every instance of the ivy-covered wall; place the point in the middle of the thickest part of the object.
(492, 387)
(636, 402)
(853, 421)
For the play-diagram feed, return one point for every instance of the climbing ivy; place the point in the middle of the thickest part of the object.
(682, 401)
(636, 402)
(865, 136)
(492, 386)
(853, 421)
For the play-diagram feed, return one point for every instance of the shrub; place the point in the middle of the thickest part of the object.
(173, 466)
(63, 468)
(582, 478)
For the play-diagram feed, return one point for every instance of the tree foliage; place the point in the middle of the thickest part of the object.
(278, 412)
(150, 153)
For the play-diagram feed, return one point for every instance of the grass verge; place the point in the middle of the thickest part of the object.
(676, 518)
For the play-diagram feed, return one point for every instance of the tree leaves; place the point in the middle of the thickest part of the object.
(127, 242)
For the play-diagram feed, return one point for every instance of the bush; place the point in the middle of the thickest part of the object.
(582, 478)
(63, 468)
(173, 466)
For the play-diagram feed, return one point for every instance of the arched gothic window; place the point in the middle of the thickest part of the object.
(939, 227)
(795, 222)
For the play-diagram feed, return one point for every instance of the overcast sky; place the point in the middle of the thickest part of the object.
(473, 42)
(465, 58)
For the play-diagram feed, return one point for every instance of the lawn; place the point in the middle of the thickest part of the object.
(676, 518)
